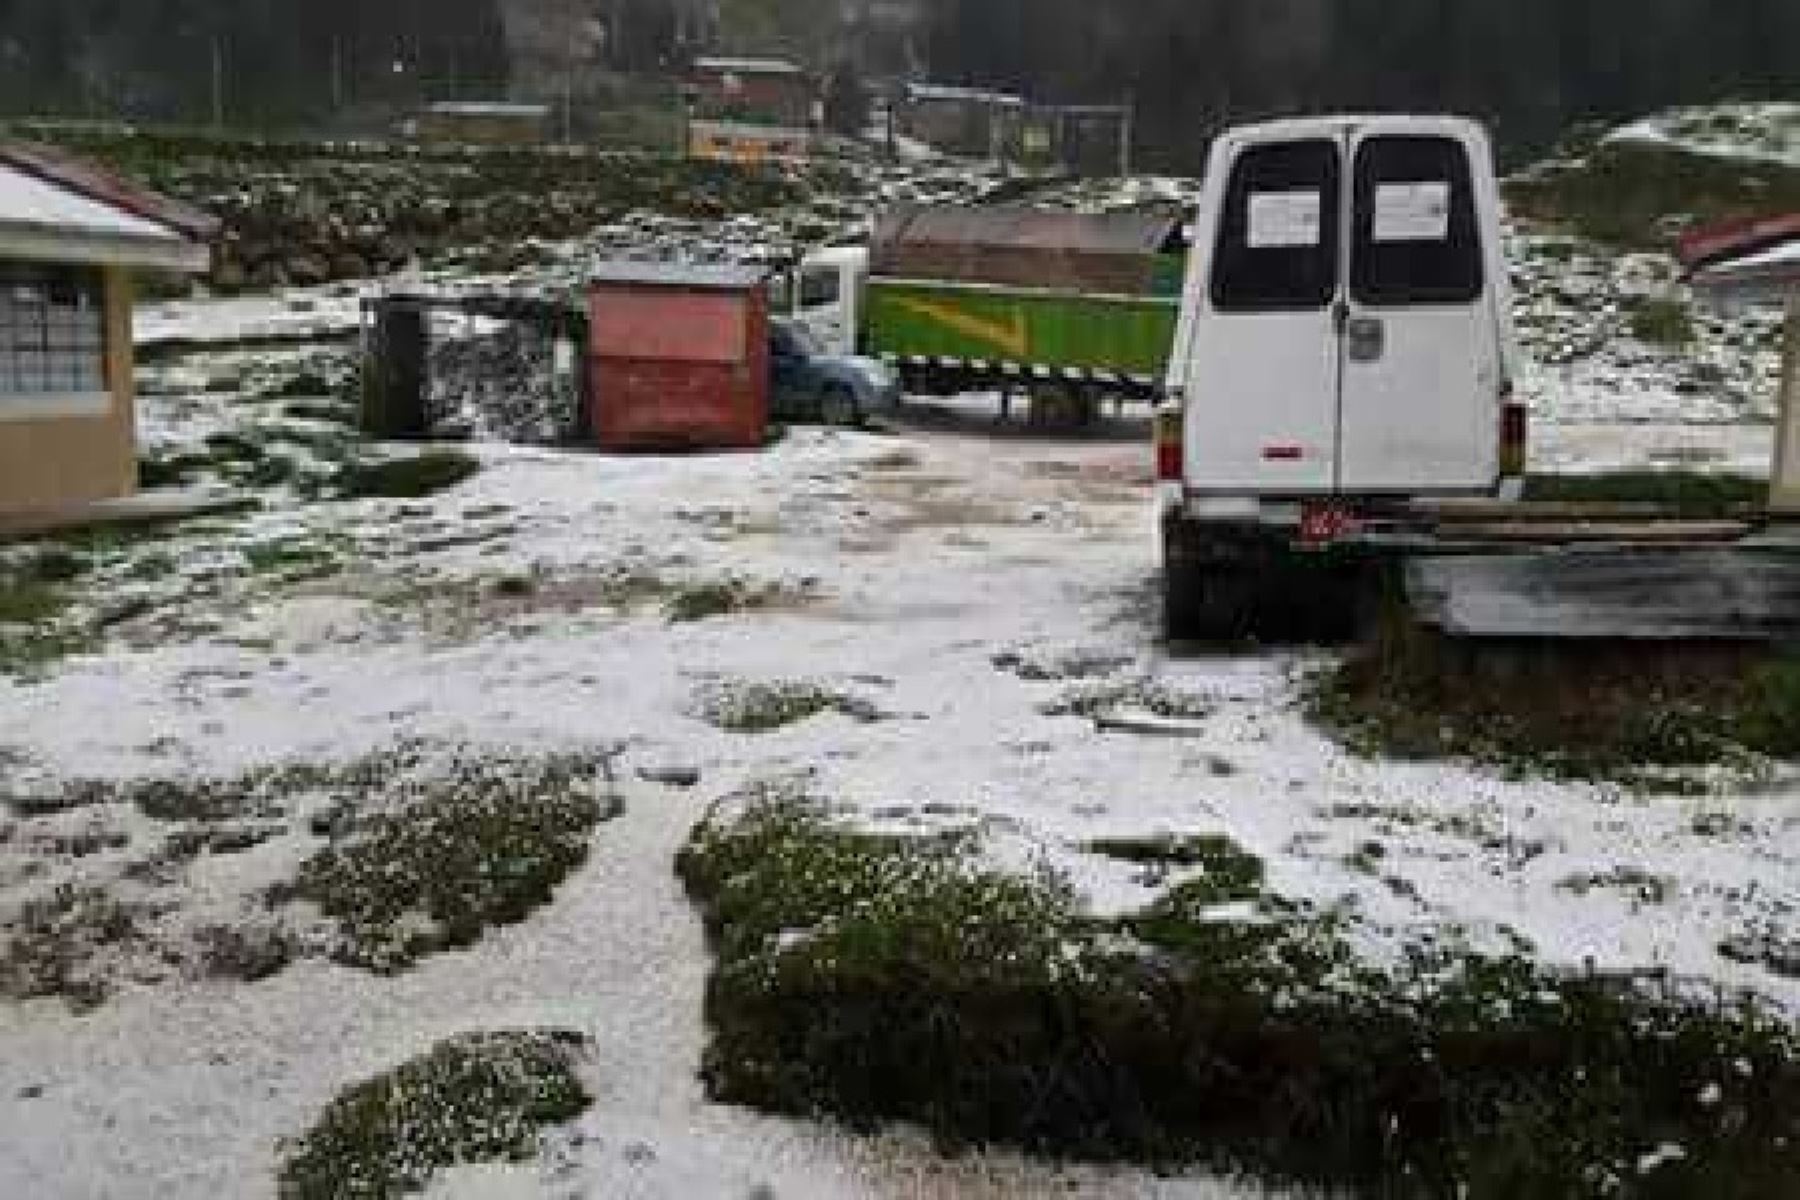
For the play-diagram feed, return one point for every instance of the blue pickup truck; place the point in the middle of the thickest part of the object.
(810, 384)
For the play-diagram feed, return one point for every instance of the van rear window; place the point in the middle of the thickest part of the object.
(1278, 235)
(1417, 240)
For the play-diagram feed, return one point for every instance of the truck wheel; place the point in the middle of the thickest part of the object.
(838, 407)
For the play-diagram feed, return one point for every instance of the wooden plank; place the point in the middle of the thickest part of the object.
(1703, 595)
(1616, 532)
(1491, 510)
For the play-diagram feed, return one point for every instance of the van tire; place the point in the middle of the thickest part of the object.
(1207, 597)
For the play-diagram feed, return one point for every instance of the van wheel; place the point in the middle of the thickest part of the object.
(1206, 598)
(837, 406)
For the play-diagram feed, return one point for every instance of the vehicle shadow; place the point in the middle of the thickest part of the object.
(981, 416)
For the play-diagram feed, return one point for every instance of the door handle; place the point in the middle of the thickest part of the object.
(1366, 339)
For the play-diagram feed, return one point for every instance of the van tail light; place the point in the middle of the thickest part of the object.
(1169, 451)
(1515, 432)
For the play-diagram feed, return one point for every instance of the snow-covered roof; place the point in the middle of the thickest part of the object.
(487, 108)
(42, 220)
(748, 66)
(1759, 133)
(728, 277)
(949, 93)
(1769, 274)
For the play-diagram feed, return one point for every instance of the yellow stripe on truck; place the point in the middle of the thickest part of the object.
(1012, 337)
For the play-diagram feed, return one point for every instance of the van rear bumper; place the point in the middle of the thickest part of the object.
(1204, 519)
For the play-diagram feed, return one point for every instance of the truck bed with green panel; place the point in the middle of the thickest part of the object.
(965, 298)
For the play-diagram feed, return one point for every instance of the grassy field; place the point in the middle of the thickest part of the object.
(875, 978)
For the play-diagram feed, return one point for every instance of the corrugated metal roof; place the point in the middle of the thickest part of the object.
(1123, 233)
(27, 200)
(952, 94)
(107, 188)
(710, 276)
(486, 108)
(748, 66)
(40, 222)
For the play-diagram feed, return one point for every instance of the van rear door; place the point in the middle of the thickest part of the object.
(1420, 332)
(1262, 361)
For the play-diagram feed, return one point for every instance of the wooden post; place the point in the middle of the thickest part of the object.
(1784, 490)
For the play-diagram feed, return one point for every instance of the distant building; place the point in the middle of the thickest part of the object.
(71, 235)
(982, 123)
(973, 122)
(769, 91)
(483, 123)
(749, 145)
(751, 110)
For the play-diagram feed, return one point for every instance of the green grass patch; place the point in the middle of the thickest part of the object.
(1626, 195)
(1663, 322)
(29, 602)
(293, 558)
(1228, 871)
(410, 478)
(485, 843)
(740, 707)
(1139, 695)
(36, 604)
(483, 1097)
(49, 946)
(876, 979)
(1697, 494)
(159, 471)
(1593, 711)
(703, 601)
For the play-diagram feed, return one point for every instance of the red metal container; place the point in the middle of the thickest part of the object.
(679, 357)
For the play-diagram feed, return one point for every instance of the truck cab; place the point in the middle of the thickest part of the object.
(1344, 348)
(826, 296)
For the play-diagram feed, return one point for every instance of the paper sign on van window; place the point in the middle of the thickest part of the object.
(1286, 220)
(1412, 212)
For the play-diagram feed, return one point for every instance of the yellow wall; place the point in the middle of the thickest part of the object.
(746, 147)
(56, 462)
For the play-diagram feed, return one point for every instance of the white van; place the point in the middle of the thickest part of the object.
(1344, 347)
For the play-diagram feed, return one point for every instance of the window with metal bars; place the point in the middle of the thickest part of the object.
(52, 332)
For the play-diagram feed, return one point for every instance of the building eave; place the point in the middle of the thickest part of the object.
(39, 243)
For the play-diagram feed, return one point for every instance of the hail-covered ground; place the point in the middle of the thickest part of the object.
(967, 614)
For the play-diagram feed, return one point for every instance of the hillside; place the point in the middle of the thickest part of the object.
(1641, 183)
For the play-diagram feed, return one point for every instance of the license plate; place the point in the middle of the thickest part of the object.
(1323, 524)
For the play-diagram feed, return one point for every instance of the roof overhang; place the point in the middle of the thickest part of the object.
(50, 244)
(54, 208)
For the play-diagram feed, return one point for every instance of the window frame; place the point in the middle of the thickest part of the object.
(55, 341)
(1467, 283)
(1235, 261)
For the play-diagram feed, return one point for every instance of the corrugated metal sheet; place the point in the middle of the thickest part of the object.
(675, 363)
(1021, 247)
(27, 200)
(725, 277)
(41, 221)
(105, 187)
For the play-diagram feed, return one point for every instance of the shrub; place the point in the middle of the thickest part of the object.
(1662, 323)
(1580, 711)
(485, 844)
(875, 978)
(1696, 494)
(477, 1098)
(410, 478)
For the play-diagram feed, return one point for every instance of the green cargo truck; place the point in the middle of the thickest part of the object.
(1069, 309)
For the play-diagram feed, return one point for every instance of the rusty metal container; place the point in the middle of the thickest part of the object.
(678, 357)
(1104, 254)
